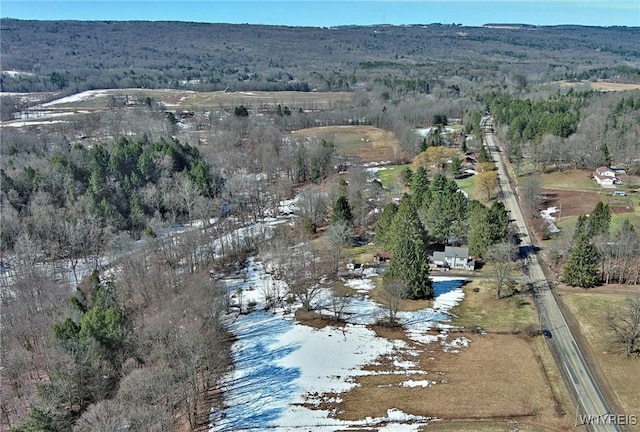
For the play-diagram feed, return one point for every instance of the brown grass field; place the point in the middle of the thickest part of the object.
(186, 99)
(475, 386)
(589, 309)
(582, 180)
(500, 381)
(601, 85)
(576, 194)
(368, 143)
(264, 99)
(569, 179)
(576, 203)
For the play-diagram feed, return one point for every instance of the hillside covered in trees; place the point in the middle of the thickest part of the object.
(73, 56)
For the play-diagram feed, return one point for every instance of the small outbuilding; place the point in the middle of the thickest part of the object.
(381, 257)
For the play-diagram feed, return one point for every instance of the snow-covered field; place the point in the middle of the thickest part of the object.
(423, 132)
(283, 370)
(78, 97)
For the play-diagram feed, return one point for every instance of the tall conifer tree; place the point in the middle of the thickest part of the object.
(410, 261)
(582, 269)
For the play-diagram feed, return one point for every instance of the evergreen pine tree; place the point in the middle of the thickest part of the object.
(582, 226)
(420, 186)
(384, 235)
(498, 221)
(410, 261)
(407, 173)
(605, 154)
(424, 144)
(487, 226)
(456, 167)
(479, 233)
(582, 268)
(342, 211)
(442, 184)
(484, 155)
(445, 216)
(599, 220)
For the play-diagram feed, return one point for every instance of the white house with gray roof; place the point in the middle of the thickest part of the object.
(453, 258)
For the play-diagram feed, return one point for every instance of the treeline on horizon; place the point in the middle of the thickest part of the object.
(72, 56)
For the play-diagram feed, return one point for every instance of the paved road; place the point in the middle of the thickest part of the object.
(569, 357)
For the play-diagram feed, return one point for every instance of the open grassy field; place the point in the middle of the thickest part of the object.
(482, 309)
(582, 180)
(575, 203)
(361, 254)
(474, 384)
(468, 388)
(186, 100)
(574, 193)
(472, 389)
(589, 308)
(570, 179)
(466, 184)
(390, 174)
(601, 85)
(368, 143)
(265, 99)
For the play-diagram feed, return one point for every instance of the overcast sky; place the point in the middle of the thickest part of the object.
(335, 12)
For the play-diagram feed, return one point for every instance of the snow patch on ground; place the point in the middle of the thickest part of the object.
(282, 369)
(376, 164)
(19, 124)
(423, 132)
(455, 345)
(78, 97)
(419, 383)
(547, 215)
(361, 285)
(289, 206)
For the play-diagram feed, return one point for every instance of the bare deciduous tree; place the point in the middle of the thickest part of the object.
(529, 193)
(394, 290)
(302, 270)
(103, 416)
(337, 236)
(338, 302)
(313, 207)
(500, 257)
(188, 194)
(624, 324)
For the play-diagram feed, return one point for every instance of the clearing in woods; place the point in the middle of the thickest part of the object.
(191, 100)
(368, 143)
(603, 86)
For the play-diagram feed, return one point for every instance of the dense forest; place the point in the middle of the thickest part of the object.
(74, 56)
(115, 217)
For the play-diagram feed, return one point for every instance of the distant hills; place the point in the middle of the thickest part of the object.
(80, 55)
